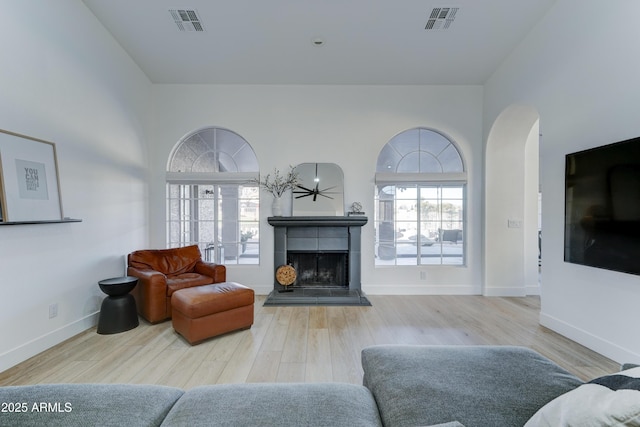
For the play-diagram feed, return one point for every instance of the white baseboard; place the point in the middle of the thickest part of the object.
(595, 343)
(409, 289)
(505, 292)
(512, 291)
(29, 349)
(262, 290)
(401, 290)
(533, 289)
(421, 289)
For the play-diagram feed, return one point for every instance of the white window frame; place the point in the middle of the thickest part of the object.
(389, 238)
(229, 240)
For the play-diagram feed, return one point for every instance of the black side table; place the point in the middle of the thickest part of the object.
(118, 312)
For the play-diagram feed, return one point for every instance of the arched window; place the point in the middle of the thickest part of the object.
(420, 200)
(209, 200)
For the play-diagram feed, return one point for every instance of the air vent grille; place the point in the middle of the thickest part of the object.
(441, 18)
(187, 20)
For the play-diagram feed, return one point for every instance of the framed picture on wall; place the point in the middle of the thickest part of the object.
(29, 182)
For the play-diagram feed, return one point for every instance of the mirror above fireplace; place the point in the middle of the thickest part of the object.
(320, 190)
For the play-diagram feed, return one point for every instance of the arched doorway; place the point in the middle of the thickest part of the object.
(511, 229)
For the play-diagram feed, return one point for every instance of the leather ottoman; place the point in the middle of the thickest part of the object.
(206, 311)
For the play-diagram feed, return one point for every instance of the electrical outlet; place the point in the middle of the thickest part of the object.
(514, 223)
(53, 310)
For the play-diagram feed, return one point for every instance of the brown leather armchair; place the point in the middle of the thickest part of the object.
(161, 272)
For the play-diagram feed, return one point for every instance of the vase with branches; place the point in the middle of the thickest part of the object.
(277, 184)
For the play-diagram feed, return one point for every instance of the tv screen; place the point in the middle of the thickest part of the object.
(602, 207)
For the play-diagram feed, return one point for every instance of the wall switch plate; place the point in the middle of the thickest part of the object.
(53, 310)
(514, 223)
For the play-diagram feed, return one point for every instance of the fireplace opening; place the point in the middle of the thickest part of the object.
(320, 269)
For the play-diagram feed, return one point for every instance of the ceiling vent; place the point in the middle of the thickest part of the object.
(187, 20)
(441, 18)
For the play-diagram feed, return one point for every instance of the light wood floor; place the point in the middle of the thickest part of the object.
(303, 344)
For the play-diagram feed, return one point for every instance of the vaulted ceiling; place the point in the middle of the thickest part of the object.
(319, 41)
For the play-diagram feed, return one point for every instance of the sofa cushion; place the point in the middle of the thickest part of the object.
(72, 405)
(612, 400)
(186, 280)
(497, 386)
(202, 301)
(171, 262)
(282, 405)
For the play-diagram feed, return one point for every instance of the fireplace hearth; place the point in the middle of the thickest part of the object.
(325, 252)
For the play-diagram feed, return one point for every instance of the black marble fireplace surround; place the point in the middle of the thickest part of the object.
(325, 251)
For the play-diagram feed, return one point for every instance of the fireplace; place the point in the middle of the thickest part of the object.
(325, 253)
(320, 269)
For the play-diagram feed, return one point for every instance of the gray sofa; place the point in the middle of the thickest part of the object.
(403, 386)
(484, 386)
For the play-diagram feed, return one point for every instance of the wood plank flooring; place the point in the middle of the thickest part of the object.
(303, 344)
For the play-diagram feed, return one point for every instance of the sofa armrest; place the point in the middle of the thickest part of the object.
(150, 294)
(216, 271)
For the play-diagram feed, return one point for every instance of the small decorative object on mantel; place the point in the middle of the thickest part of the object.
(286, 275)
(277, 185)
(356, 209)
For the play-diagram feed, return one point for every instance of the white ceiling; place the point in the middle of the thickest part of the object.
(365, 41)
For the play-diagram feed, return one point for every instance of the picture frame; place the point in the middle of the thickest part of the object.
(29, 180)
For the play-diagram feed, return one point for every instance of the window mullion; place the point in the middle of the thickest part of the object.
(440, 221)
(184, 213)
(419, 224)
(216, 238)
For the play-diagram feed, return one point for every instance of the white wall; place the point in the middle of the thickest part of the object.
(531, 206)
(347, 125)
(64, 79)
(579, 70)
(511, 170)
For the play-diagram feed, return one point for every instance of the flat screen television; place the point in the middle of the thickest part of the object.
(602, 207)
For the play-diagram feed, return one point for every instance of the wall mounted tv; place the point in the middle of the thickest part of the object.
(602, 207)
